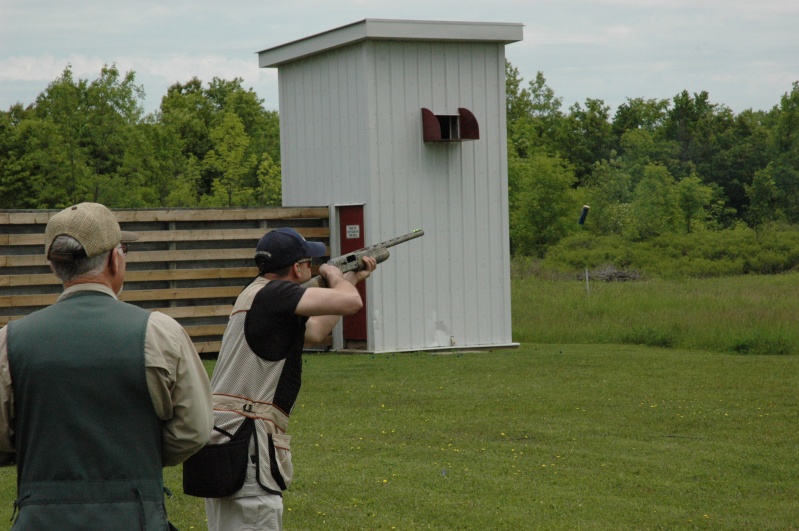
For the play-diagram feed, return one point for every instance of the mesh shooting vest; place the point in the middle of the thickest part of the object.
(87, 436)
(245, 386)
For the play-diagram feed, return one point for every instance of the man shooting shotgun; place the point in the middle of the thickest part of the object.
(246, 465)
(354, 261)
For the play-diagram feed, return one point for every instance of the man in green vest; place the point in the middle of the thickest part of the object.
(97, 395)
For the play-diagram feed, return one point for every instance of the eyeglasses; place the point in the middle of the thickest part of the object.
(305, 260)
(124, 247)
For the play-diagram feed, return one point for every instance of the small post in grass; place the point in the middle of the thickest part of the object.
(581, 222)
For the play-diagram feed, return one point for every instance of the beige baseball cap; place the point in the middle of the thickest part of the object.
(92, 225)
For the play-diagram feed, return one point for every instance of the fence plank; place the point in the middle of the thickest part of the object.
(28, 280)
(179, 294)
(22, 301)
(176, 312)
(206, 330)
(182, 312)
(27, 260)
(178, 235)
(40, 217)
(48, 279)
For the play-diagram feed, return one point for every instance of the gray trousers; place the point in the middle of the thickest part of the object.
(250, 509)
(250, 513)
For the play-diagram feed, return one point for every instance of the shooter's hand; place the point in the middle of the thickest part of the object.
(369, 265)
(331, 274)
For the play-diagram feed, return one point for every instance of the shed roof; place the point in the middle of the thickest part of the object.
(383, 29)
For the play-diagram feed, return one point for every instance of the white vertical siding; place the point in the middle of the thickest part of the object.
(351, 132)
(324, 138)
(456, 192)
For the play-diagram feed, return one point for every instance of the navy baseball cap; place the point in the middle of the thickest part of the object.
(282, 247)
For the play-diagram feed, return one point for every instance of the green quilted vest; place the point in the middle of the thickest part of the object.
(87, 436)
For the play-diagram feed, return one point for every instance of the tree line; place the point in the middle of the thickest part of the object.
(212, 146)
(654, 167)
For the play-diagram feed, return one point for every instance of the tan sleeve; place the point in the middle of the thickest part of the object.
(6, 397)
(179, 387)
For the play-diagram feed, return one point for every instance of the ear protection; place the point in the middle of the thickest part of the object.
(261, 266)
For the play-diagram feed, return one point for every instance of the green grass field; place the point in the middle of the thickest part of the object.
(746, 314)
(573, 430)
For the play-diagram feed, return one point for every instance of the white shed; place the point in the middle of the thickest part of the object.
(402, 122)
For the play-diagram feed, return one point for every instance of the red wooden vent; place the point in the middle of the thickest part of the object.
(469, 128)
(430, 126)
(449, 127)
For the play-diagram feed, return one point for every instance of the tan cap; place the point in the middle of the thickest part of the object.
(92, 225)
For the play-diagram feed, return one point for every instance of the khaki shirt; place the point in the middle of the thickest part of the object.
(178, 384)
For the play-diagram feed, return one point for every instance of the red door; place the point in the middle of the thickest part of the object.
(351, 238)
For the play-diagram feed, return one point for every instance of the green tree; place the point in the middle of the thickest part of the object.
(545, 108)
(655, 208)
(59, 155)
(784, 164)
(270, 187)
(740, 149)
(784, 170)
(694, 197)
(786, 129)
(518, 104)
(704, 131)
(763, 197)
(261, 126)
(686, 123)
(228, 158)
(638, 113)
(192, 112)
(185, 188)
(80, 136)
(585, 136)
(20, 182)
(533, 113)
(161, 163)
(542, 202)
(188, 113)
(639, 148)
(116, 146)
(609, 192)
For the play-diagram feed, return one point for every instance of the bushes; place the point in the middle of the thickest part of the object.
(700, 254)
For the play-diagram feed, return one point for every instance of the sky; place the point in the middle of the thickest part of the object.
(744, 53)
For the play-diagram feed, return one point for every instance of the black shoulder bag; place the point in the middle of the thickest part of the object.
(218, 470)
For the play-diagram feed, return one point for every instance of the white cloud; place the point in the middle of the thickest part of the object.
(29, 68)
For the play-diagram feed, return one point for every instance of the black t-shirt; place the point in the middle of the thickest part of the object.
(272, 329)
(274, 332)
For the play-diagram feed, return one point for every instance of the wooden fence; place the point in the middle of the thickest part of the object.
(189, 264)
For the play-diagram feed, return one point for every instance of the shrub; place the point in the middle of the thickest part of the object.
(701, 254)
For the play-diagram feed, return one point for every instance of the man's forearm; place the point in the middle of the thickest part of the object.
(319, 327)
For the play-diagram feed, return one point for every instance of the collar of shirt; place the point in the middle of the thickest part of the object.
(78, 288)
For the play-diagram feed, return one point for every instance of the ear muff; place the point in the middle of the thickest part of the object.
(261, 266)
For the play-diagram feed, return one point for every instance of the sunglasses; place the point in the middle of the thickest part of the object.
(124, 247)
(304, 260)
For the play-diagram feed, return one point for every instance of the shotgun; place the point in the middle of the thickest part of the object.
(354, 261)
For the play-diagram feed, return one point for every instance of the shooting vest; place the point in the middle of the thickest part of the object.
(244, 386)
(87, 436)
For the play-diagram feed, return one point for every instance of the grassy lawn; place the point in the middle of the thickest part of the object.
(587, 434)
(748, 314)
(543, 437)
